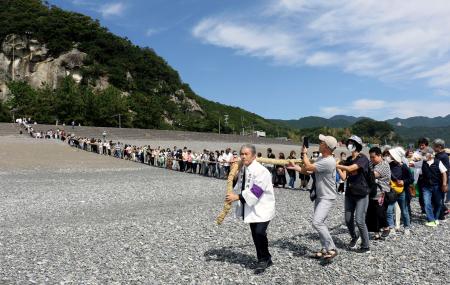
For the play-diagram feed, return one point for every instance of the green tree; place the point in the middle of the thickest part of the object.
(148, 110)
(22, 99)
(110, 104)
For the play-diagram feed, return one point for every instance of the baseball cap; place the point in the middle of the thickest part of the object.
(330, 141)
(356, 139)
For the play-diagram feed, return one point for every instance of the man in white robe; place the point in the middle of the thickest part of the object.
(255, 202)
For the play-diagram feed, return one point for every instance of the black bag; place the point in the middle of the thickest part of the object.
(390, 197)
(357, 189)
(371, 182)
(312, 191)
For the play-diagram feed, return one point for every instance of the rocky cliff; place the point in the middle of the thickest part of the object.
(23, 58)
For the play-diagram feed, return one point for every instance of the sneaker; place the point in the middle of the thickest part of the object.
(262, 265)
(437, 222)
(431, 224)
(385, 233)
(407, 232)
(354, 242)
(363, 250)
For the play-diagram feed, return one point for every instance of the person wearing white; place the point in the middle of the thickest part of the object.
(227, 157)
(255, 203)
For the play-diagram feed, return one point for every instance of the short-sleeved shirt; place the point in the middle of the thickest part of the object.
(443, 157)
(357, 176)
(325, 178)
(383, 180)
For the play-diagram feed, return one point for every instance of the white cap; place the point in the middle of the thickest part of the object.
(356, 139)
(330, 141)
(397, 153)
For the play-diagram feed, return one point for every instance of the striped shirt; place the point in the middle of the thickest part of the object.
(383, 171)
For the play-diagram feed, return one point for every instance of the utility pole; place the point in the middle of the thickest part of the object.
(219, 125)
(14, 48)
(118, 115)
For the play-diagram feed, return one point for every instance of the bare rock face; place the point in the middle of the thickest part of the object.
(181, 98)
(26, 59)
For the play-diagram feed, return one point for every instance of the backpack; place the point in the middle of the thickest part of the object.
(371, 182)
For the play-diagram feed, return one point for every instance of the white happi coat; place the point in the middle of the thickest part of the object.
(258, 194)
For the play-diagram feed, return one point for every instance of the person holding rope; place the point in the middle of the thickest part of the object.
(355, 170)
(256, 202)
(324, 169)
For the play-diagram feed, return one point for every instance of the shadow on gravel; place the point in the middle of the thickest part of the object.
(299, 249)
(417, 218)
(226, 254)
(291, 244)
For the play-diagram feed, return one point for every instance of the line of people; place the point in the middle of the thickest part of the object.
(374, 186)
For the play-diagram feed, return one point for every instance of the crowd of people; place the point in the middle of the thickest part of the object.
(378, 187)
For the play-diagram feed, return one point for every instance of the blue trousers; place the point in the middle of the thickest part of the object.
(401, 200)
(432, 197)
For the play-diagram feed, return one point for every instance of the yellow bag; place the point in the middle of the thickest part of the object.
(396, 187)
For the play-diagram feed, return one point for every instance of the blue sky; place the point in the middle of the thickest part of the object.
(288, 59)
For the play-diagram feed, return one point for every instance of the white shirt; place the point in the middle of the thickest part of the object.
(258, 194)
(418, 166)
(227, 158)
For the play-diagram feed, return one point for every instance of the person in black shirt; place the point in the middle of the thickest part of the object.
(355, 170)
(439, 149)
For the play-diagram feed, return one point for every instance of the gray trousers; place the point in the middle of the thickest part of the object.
(355, 210)
(321, 209)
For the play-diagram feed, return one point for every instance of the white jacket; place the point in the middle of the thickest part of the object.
(258, 194)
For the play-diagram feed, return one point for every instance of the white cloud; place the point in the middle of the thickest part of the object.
(152, 31)
(393, 40)
(331, 111)
(322, 58)
(379, 109)
(250, 40)
(367, 104)
(442, 93)
(112, 9)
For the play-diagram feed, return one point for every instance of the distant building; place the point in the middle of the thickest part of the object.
(259, 133)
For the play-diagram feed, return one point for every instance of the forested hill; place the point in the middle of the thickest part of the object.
(114, 77)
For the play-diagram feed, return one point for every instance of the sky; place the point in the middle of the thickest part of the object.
(289, 59)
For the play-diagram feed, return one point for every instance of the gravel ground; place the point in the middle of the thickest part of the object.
(115, 222)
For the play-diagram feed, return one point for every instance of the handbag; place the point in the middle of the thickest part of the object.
(312, 191)
(412, 190)
(390, 197)
(357, 189)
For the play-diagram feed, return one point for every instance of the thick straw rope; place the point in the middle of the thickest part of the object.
(235, 167)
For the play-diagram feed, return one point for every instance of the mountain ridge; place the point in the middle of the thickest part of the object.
(344, 121)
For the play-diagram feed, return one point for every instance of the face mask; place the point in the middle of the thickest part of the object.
(351, 147)
(388, 159)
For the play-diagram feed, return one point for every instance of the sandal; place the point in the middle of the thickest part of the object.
(320, 254)
(330, 254)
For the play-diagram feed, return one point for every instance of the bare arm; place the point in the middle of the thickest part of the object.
(444, 179)
(349, 168)
(342, 174)
(308, 166)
